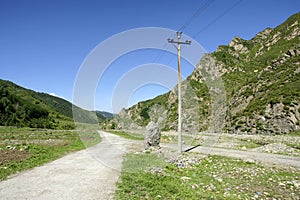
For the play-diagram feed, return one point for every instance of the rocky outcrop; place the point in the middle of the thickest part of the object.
(289, 54)
(237, 44)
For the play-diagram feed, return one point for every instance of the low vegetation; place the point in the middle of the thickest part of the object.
(126, 135)
(145, 176)
(24, 148)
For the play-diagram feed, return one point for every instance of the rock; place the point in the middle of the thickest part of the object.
(281, 184)
(259, 193)
(296, 184)
(180, 165)
(212, 187)
(219, 179)
(156, 170)
(185, 178)
(249, 160)
(152, 135)
(236, 43)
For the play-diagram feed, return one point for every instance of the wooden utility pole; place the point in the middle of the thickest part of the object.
(179, 87)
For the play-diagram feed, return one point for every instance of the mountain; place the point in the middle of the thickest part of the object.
(26, 108)
(105, 114)
(261, 83)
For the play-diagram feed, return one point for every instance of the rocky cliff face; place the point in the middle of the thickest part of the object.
(261, 80)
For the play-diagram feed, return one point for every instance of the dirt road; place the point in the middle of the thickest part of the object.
(267, 158)
(87, 174)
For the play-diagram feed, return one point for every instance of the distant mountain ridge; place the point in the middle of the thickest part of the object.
(262, 82)
(105, 114)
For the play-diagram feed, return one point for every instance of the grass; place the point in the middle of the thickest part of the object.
(140, 162)
(295, 133)
(25, 148)
(130, 136)
(214, 177)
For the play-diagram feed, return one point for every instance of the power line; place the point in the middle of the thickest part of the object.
(196, 14)
(217, 18)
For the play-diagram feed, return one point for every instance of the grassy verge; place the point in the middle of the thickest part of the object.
(24, 148)
(214, 177)
(130, 136)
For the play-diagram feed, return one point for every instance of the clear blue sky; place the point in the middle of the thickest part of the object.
(44, 42)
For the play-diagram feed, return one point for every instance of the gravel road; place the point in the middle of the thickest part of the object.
(266, 158)
(86, 174)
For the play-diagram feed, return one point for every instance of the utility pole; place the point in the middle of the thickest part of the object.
(178, 42)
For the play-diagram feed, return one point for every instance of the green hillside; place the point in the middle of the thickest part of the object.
(26, 108)
(262, 82)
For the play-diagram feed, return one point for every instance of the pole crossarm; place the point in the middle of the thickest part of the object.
(173, 41)
(178, 42)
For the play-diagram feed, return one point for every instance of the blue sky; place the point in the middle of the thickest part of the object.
(43, 43)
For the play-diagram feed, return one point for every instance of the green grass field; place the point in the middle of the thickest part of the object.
(24, 148)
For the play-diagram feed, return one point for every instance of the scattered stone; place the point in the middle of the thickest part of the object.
(248, 160)
(281, 184)
(180, 165)
(185, 178)
(212, 187)
(194, 186)
(296, 184)
(10, 147)
(219, 180)
(156, 170)
(266, 193)
(278, 148)
(259, 193)
(186, 161)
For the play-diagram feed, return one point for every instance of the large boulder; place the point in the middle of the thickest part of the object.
(152, 135)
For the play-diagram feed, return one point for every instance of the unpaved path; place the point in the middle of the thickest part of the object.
(267, 158)
(86, 174)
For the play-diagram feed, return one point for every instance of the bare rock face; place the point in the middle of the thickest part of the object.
(236, 43)
(152, 135)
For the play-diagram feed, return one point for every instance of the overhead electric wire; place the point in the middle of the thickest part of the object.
(194, 16)
(217, 18)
